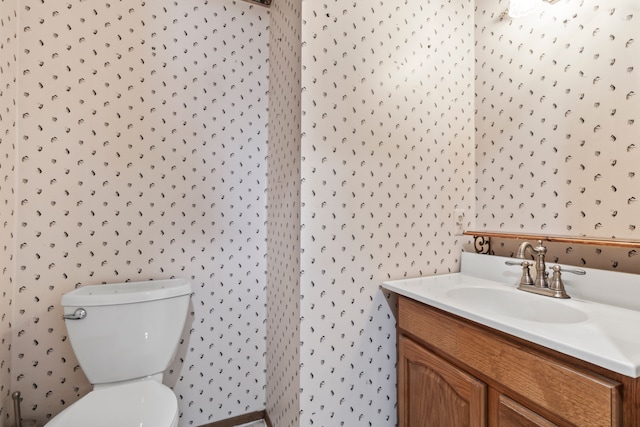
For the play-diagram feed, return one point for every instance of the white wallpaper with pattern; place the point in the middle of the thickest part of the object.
(345, 105)
(387, 154)
(142, 154)
(283, 229)
(8, 75)
(557, 118)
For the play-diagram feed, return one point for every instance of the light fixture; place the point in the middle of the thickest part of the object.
(520, 8)
(260, 2)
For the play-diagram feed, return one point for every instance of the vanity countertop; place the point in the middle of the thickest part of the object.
(598, 324)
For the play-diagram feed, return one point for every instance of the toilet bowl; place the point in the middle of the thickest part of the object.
(125, 336)
(144, 403)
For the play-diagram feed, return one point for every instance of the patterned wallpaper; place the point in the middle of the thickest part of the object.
(142, 154)
(557, 111)
(283, 229)
(8, 88)
(386, 113)
(387, 154)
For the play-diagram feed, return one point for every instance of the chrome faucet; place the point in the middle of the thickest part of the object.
(541, 285)
(542, 277)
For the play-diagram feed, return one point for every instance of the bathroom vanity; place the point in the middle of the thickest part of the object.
(474, 351)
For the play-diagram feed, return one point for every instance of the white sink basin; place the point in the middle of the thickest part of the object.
(516, 304)
(594, 330)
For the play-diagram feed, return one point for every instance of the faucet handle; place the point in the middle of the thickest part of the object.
(557, 285)
(577, 271)
(520, 263)
(526, 278)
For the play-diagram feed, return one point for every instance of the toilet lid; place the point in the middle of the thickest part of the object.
(139, 404)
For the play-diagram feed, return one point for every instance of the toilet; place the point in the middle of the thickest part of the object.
(125, 335)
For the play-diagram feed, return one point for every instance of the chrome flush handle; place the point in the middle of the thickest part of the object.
(79, 314)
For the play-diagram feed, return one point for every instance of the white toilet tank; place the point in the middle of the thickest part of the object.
(126, 331)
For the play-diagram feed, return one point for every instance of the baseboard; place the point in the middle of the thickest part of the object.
(241, 419)
(267, 420)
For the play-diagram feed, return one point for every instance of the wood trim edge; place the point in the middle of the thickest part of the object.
(267, 420)
(241, 419)
(578, 240)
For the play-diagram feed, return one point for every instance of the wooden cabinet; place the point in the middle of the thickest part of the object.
(454, 372)
(436, 393)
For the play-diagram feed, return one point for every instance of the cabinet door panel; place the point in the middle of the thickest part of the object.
(434, 393)
(513, 414)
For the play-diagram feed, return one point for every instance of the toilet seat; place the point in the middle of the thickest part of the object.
(146, 403)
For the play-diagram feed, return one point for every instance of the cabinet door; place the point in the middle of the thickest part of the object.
(434, 393)
(513, 414)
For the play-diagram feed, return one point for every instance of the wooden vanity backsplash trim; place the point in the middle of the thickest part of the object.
(578, 240)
